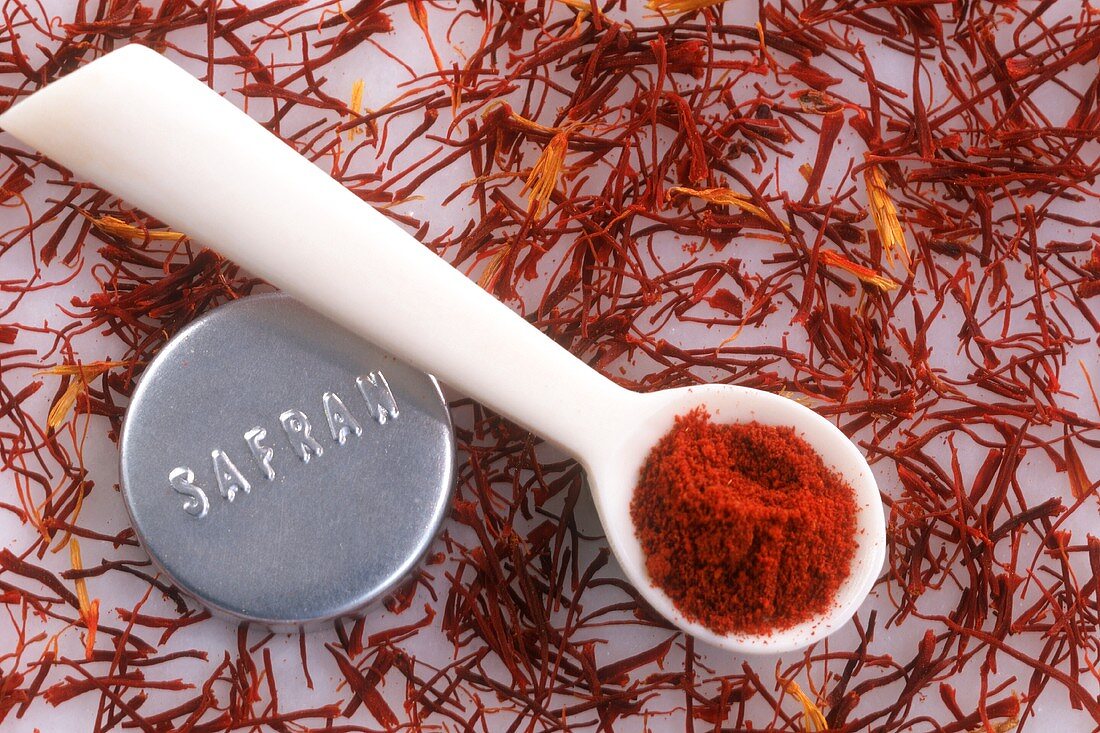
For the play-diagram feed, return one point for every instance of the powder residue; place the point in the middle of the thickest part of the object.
(743, 526)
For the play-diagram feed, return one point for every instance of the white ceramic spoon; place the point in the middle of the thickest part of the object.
(143, 128)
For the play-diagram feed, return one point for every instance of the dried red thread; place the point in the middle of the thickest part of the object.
(743, 526)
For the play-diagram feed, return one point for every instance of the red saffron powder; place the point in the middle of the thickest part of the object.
(743, 526)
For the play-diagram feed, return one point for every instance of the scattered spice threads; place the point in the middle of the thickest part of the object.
(886, 210)
(743, 526)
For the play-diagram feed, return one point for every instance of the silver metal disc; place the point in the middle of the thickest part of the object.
(282, 470)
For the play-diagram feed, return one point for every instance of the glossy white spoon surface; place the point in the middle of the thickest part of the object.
(141, 127)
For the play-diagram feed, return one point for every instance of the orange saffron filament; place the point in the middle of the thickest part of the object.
(356, 107)
(81, 374)
(545, 173)
(885, 214)
(89, 610)
(678, 7)
(118, 228)
(864, 274)
(728, 197)
(813, 720)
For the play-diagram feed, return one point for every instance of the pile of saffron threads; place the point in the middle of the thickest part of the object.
(886, 210)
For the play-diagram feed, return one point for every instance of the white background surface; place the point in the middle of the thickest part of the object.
(104, 510)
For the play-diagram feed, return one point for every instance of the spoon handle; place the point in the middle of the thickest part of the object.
(143, 128)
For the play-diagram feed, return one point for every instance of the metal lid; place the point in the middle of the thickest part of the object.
(282, 470)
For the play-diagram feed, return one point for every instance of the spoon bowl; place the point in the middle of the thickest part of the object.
(613, 473)
(202, 166)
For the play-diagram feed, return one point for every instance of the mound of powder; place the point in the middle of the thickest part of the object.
(743, 525)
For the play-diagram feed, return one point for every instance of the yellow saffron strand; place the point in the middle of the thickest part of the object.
(863, 274)
(813, 720)
(679, 7)
(118, 228)
(81, 584)
(488, 279)
(356, 107)
(545, 173)
(1092, 390)
(89, 609)
(728, 197)
(80, 375)
(885, 214)
(523, 121)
